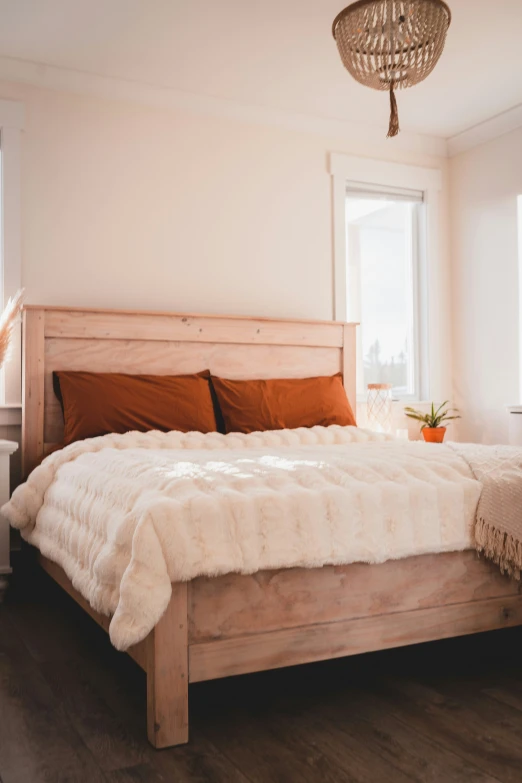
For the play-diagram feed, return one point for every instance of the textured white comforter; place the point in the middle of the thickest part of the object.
(126, 515)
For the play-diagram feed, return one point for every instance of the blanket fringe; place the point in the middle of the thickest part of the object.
(502, 548)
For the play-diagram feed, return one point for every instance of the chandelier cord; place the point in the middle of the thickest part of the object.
(393, 129)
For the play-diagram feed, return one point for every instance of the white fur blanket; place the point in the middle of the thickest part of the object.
(126, 515)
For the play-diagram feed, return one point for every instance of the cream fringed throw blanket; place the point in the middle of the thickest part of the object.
(126, 515)
(498, 529)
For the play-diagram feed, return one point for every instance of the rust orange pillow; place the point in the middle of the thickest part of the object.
(250, 406)
(101, 403)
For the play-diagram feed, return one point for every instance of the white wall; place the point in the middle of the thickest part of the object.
(485, 183)
(126, 205)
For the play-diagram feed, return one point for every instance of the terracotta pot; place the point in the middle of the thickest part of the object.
(434, 434)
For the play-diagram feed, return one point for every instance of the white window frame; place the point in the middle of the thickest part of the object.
(12, 120)
(418, 280)
(519, 243)
(346, 169)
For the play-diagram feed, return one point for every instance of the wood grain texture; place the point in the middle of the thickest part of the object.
(239, 361)
(349, 363)
(269, 620)
(33, 372)
(138, 652)
(167, 674)
(457, 723)
(186, 328)
(31, 715)
(134, 312)
(168, 343)
(447, 712)
(87, 697)
(237, 605)
(244, 654)
(364, 724)
(103, 732)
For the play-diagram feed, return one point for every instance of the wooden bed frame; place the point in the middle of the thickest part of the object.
(234, 624)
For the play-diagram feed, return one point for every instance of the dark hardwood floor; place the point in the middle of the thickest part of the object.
(73, 709)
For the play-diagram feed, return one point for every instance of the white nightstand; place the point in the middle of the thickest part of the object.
(7, 447)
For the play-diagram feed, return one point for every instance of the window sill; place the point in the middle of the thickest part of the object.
(10, 415)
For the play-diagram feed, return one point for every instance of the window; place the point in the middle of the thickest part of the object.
(383, 228)
(389, 250)
(11, 126)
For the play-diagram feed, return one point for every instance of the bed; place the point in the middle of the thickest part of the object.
(239, 623)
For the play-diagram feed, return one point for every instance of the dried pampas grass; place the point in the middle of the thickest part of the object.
(8, 321)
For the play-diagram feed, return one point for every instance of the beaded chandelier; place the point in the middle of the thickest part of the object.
(389, 44)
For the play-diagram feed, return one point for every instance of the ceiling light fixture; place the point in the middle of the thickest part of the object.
(389, 44)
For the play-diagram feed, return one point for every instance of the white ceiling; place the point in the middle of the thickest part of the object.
(276, 54)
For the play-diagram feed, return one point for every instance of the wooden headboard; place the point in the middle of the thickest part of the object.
(58, 338)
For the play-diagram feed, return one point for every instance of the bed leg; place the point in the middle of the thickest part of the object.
(167, 674)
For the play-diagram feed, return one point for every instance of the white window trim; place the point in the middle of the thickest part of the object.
(519, 241)
(12, 120)
(368, 171)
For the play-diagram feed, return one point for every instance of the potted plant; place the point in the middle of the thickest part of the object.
(431, 429)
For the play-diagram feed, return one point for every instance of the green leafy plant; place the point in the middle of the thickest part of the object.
(434, 418)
